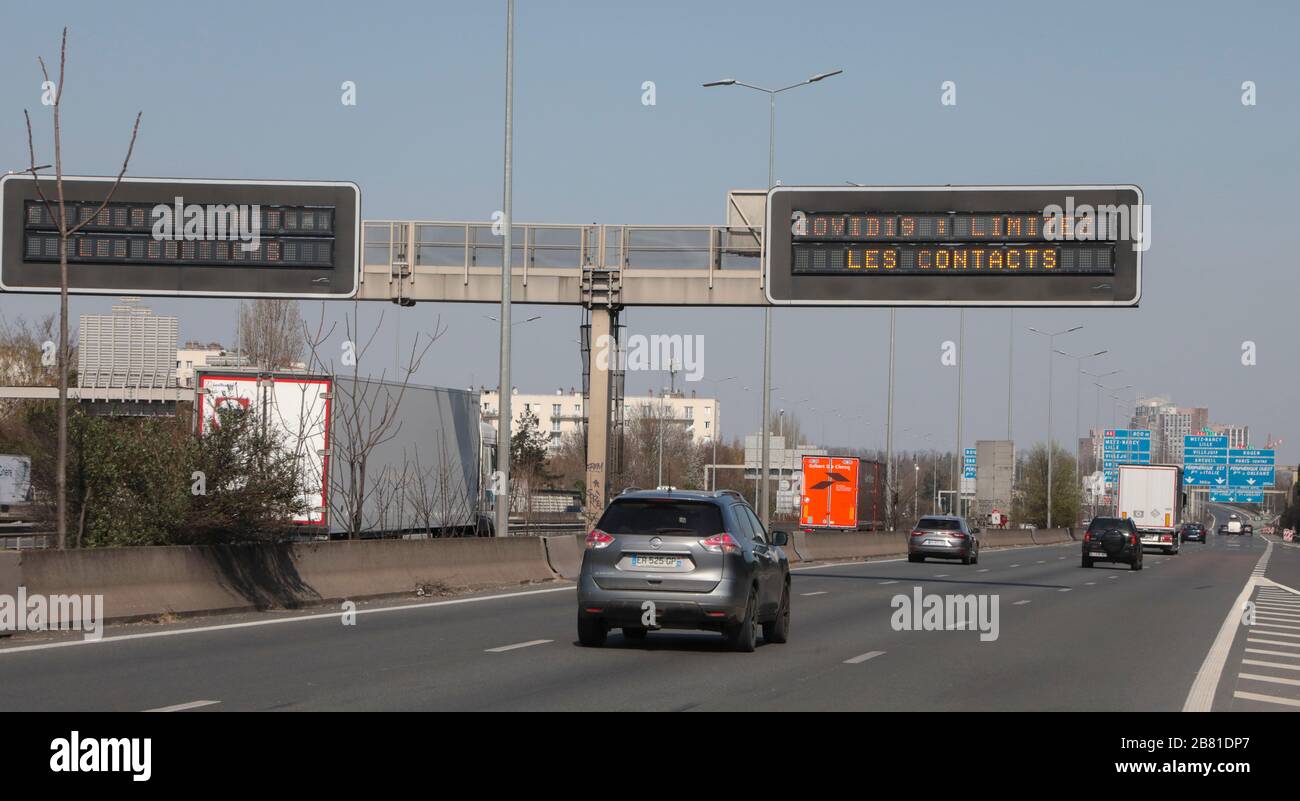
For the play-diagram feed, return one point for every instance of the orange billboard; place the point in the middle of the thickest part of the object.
(830, 492)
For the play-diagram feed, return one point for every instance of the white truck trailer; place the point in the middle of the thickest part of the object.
(1151, 495)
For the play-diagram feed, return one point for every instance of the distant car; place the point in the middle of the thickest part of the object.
(1112, 539)
(945, 537)
(1247, 529)
(1193, 531)
(1223, 528)
(668, 559)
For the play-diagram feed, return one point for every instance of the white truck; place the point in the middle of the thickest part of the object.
(1151, 495)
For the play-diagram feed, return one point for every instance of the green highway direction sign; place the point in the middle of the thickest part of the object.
(183, 237)
(955, 245)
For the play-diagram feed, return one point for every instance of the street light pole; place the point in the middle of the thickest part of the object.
(889, 432)
(764, 430)
(503, 391)
(1051, 339)
(1078, 387)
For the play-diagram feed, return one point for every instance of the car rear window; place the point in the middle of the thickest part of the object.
(939, 524)
(1107, 522)
(650, 516)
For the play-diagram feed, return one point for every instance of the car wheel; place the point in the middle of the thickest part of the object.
(591, 632)
(1087, 562)
(912, 558)
(778, 630)
(634, 633)
(966, 558)
(1136, 564)
(976, 559)
(743, 636)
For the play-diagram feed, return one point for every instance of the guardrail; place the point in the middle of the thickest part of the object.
(400, 247)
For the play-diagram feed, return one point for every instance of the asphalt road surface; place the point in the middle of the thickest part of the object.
(1068, 638)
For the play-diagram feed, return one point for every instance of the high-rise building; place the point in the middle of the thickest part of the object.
(130, 348)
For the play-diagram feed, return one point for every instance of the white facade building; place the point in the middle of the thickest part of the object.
(561, 413)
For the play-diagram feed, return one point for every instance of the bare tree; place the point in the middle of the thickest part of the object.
(271, 333)
(365, 416)
(67, 229)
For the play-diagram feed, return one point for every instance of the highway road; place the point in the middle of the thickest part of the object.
(1068, 638)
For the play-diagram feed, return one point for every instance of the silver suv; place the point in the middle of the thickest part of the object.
(669, 559)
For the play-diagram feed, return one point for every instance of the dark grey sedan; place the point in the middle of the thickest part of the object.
(946, 537)
(670, 559)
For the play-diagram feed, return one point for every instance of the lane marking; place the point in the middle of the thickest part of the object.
(183, 707)
(982, 570)
(1261, 663)
(1042, 561)
(1272, 653)
(1259, 626)
(811, 594)
(1276, 625)
(278, 621)
(1268, 699)
(891, 581)
(1273, 642)
(1200, 698)
(1090, 583)
(860, 658)
(1019, 603)
(943, 575)
(1112, 577)
(1064, 589)
(1273, 679)
(1015, 565)
(502, 649)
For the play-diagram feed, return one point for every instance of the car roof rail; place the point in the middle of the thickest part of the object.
(731, 492)
(626, 490)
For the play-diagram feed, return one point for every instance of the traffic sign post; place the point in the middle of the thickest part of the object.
(183, 237)
(1123, 446)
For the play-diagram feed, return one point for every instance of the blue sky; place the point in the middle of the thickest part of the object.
(1104, 93)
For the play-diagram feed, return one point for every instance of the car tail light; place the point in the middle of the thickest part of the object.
(1133, 539)
(598, 539)
(1165, 538)
(1087, 535)
(720, 543)
(917, 532)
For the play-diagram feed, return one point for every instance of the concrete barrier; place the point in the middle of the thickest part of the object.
(822, 546)
(148, 582)
(564, 554)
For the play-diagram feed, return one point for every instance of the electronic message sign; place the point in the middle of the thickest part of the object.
(955, 245)
(161, 236)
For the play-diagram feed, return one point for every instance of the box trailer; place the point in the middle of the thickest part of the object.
(830, 492)
(1151, 495)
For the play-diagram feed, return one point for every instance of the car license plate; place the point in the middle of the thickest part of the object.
(1098, 553)
(937, 542)
(656, 561)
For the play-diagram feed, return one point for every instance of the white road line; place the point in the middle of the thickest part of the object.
(1262, 628)
(183, 707)
(1269, 699)
(1064, 589)
(982, 570)
(278, 621)
(1090, 583)
(1200, 698)
(1272, 653)
(1260, 663)
(517, 645)
(1015, 565)
(1264, 614)
(1273, 679)
(1112, 577)
(860, 658)
(1018, 603)
(1276, 625)
(1042, 561)
(811, 594)
(891, 581)
(942, 575)
(1273, 642)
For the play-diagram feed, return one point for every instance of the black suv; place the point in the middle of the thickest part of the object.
(670, 559)
(1112, 539)
(1193, 531)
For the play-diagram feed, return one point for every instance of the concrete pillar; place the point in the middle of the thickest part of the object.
(602, 356)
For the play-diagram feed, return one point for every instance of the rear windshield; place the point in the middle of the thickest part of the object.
(649, 516)
(939, 524)
(1107, 522)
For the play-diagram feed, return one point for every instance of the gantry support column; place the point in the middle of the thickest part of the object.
(602, 356)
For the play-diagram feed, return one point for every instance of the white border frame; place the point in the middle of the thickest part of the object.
(356, 242)
(767, 254)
